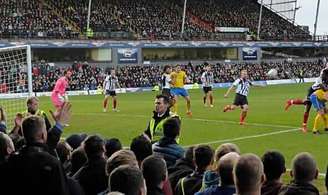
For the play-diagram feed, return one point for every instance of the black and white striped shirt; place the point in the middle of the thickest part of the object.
(207, 79)
(166, 79)
(111, 82)
(243, 86)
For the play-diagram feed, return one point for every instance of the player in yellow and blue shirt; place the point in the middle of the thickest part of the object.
(179, 78)
(318, 100)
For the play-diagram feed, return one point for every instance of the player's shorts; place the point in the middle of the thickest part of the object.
(207, 89)
(310, 91)
(57, 100)
(179, 92)
(167, 92)
(240, 100)
(317, 104)
(110, 93)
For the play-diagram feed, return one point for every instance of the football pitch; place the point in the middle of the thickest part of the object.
(267, 126)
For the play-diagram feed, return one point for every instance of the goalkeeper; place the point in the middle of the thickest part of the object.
(58, 95)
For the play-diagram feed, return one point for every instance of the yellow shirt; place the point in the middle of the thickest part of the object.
(178, 79)
(320, 94)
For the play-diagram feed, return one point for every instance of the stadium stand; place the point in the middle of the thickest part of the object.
(142, 19)
(87, 76)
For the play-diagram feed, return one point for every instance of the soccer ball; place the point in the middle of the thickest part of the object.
(273, 73)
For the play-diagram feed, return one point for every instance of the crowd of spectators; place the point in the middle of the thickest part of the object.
(154, 20)
(86, 76)
(33, 160)
(31, 19)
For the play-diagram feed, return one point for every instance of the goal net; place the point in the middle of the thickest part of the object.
(15, 80)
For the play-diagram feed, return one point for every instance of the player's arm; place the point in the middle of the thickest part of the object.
(234, 84)
(2, 116)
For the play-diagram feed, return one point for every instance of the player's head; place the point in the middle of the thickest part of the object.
(243, 74)
(304, 168)
(167, 69)
(324, 76)
(177, 68)
(162, 103)
(208, 67)
(112, 72)
(68, 74)
(32, 104)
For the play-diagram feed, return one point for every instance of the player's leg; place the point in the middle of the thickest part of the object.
(105, 102)
(205, 97)
(115, 103)
(243, 114)
(296, 101)
(210, 94)
(187, 98)
(237, 102)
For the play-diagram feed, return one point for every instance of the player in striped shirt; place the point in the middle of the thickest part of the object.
(109, 86)
(207, 79)
(242, 86)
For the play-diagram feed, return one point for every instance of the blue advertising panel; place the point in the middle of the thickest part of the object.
(127, 55)
(249, 53)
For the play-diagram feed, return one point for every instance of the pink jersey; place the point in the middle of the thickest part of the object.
(60, 86)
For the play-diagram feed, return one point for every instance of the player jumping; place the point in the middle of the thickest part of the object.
(109, 86)
(179, 78)
(207, 79)
(242, 85)
(320, 83)
(58, 94)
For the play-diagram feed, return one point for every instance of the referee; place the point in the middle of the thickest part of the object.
(207, 79)
(242, 86)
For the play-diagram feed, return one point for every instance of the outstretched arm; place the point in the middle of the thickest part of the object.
(228, 92)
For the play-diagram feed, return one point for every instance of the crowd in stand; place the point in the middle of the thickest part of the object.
(34, 160)
(31, 19)
(154, 20)
(90, 77)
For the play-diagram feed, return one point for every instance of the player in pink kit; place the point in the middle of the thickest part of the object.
(58, 95)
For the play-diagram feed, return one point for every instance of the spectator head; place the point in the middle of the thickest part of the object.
(207, 67)
(154, 171)
(78, 159)
(115, 193)
(127, 180)
(248, 174)
(3, 127)
(121, 157)
(226, 164)
(141, 147)
(64, 151)
(94, 147)
(224, 149)
(162, 103)
(203, 157)
(75, 140)
(171, 128)
(32, 104)
(189, 154)
(34, 130)
(274, 165)
(243, 74)
(112, 145)
(304, 168)
(167, 69)
(6, 146)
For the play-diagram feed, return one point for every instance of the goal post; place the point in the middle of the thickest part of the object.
(15, 80)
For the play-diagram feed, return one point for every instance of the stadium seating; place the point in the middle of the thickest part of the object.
(86, 76)
(154, 20)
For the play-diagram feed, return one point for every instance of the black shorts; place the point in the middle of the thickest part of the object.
(240, 100)
(207, 89)
(167, 93)
(111, 93)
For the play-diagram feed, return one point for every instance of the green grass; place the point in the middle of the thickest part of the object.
(266, 115)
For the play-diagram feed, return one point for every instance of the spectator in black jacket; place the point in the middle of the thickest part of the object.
(274, 167)
(155, 173)
(141, 147)
(92, 176)
(203, 157)
(304, 172)
(249, 175)
(33, 170)
(78, 159)
(182, 167)
(127, 180)
(167, 146)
